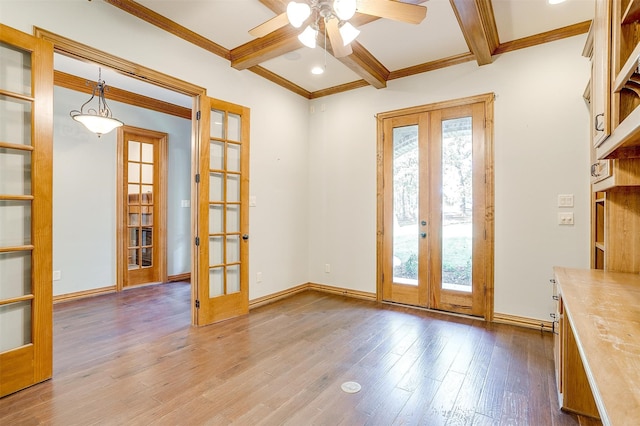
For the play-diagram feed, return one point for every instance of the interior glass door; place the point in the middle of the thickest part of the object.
(223, 195)
(26, 104)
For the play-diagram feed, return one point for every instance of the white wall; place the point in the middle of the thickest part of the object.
(541, 150)
(326, 214)
(84, 194)
(279, 127)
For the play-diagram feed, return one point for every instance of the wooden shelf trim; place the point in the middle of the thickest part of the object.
(632, 13)
(627, 70)
(625, 134)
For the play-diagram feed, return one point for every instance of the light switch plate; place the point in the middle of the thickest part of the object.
(565, 200)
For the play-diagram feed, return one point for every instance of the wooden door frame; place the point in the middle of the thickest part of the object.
(487, 101)
(71, 48)
(160, 221)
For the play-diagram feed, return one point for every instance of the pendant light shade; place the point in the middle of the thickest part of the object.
(98, 120)
(345, 9)
(348, 33)
(308, 37)
(297, 13)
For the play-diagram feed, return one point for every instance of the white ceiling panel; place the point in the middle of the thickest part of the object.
(399, 45)
(225, 22)
(296, 67)
(523, 18)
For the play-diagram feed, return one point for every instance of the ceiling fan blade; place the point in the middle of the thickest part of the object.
(403, 12)
(337, 45)
(270, 26)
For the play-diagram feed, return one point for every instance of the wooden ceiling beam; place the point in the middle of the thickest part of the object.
(154, 18)
(82, 85)
(478, 26)
(262, 49)
(363, 63)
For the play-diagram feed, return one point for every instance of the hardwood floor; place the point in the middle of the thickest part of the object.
(133, 358)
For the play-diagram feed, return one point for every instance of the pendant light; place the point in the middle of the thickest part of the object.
(98, 120)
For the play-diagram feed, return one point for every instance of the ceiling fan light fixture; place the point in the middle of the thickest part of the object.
(348, 33)
(345, 9)
(308, 37)
(297, 13)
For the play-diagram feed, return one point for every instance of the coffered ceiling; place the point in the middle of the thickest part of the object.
(454, 31)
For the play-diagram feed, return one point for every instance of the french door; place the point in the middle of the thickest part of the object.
(221, 290)
(435, 207)
(142, 192)
(26, 114)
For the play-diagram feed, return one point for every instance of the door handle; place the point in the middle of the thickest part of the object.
(423, 235)
(245, 237)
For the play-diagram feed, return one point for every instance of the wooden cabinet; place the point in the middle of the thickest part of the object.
(624, 140)
(613, 45)
(597, 352)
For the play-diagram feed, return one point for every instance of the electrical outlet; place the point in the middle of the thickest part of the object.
(565, 218)
(57, 275)
(259, 277)
(327, 268)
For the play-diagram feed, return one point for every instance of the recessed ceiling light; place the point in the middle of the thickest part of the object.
(555, 1)
(317, 70)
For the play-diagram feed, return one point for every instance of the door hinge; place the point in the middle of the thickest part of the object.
(197, 241)
(198, 115)
(197, 304)
(198, 178)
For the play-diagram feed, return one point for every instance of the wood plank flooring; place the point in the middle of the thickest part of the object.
(133, 358)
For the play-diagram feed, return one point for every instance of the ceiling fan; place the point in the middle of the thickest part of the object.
(333, 15)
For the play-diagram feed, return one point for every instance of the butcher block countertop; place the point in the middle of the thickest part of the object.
(603, 309)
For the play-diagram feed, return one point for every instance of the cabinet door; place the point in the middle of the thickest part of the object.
(600, 73)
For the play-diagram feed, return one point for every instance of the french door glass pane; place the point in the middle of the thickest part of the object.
(147, 256)
(233, 131)
(233, 279)
(134, 151)
(15, 274)
(15, 223)
(15, 70)
(215, 218)
(233, 188)
(457, 208)
(405, 205)
(147, 173)
(216, 282)
(147, 152)
(133, 173)
(216, 251)
(15, 325)
(233, 248)
(233, 218)
(215, 187)
(15, 171)
(217, 124)
(133, 258)
(16, 120)
(216, 155)
(233, 157)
